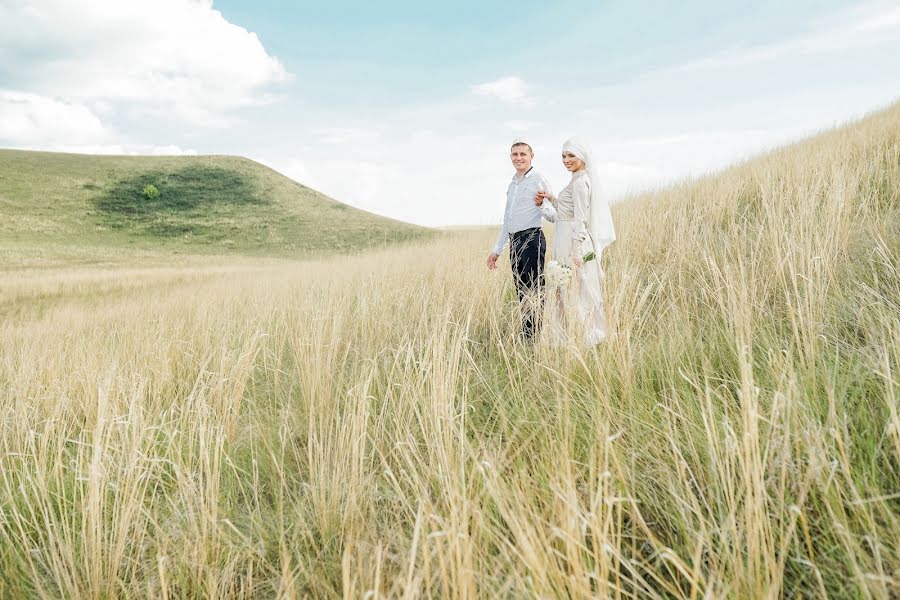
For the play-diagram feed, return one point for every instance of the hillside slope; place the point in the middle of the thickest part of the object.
(205, 205)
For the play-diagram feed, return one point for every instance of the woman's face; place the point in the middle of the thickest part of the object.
(572, 162)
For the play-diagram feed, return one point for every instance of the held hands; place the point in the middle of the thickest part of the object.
(492, 261)
(540, 196)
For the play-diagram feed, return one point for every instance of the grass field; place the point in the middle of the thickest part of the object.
(77, 209)
(366, 426)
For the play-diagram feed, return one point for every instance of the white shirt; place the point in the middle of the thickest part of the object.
(521, 212)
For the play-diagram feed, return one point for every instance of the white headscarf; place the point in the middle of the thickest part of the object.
(600, 225)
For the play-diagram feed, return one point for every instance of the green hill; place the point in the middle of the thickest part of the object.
(71, 205)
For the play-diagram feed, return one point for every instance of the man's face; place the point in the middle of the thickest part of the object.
(521, 157)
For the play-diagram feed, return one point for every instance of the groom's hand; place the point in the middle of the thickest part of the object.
(492, 261)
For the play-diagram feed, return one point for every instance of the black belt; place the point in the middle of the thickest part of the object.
(528, 231)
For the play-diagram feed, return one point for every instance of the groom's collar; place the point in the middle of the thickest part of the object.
(526, 174)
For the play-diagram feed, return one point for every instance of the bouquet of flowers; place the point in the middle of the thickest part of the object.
(558, 274)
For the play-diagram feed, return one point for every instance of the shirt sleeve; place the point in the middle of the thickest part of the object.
(503, 237)
(547, 209)
(581, 195)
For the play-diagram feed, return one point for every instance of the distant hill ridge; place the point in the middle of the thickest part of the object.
(186, 204)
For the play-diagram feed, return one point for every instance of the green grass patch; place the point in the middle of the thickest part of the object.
(192, 201)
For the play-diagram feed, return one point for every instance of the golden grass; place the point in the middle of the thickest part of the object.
(368, 427)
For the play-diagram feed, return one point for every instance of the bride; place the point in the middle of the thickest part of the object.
(584, 227)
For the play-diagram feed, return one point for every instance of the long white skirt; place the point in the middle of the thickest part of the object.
(575, 310)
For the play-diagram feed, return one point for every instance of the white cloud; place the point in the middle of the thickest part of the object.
(420, 176)
(120, 149)
(294, 168)
(521, 126)
(172, 57)
(344, 135)
(509, 89)
(170, 150)
(363, 183)
(35, 122)
(35, 119)
(621, 179)
(888, 19)
(859, 27)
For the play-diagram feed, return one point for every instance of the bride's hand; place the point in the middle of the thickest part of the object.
(540, 196)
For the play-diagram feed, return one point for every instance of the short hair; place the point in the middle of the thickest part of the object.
(522, 144)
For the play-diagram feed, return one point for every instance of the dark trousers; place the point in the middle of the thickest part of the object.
(526, 255)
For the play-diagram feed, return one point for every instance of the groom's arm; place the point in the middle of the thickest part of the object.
(498, 248)
(502, 238)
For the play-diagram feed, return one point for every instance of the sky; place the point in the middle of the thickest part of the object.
(407, 109)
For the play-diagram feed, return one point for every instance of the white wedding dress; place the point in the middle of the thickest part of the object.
(575, 313)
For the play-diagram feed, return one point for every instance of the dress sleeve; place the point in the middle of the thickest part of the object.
(581, 195)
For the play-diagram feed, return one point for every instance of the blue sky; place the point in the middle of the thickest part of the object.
(407, 108)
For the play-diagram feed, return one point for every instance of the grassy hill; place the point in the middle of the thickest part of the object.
(70, 204)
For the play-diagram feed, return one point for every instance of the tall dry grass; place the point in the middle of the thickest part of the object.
(368, 427)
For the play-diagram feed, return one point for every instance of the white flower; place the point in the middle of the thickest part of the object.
(557, 274)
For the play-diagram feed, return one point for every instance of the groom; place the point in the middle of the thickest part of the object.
(522, 226)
